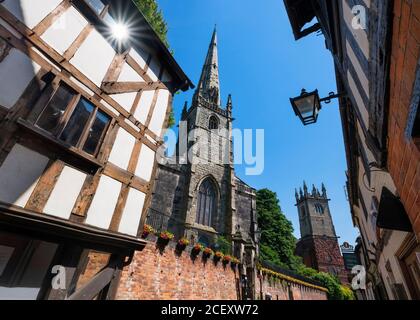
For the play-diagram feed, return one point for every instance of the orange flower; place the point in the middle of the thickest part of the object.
(183, 242)
(166, 235)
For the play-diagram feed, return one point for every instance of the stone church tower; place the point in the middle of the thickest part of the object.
(209, 208)
(318, 245)
(198, 195)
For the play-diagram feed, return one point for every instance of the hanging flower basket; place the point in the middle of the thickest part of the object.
(198, 247)
(182, 244)
(147, 229)
(165, 237)
(218, 256)
(227, 259)
(207, 252)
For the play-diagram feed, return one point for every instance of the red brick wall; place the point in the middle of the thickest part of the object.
(280, 290)
(316, 252)
(153, 275)
(404, 155)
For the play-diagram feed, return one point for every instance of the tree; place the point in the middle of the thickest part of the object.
(154, 16)
(277, 243)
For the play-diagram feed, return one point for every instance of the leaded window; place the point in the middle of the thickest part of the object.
(206, 203)
(213, 123)
(74, 120)
(319, 208)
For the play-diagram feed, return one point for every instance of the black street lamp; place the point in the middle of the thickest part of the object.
(308, 105)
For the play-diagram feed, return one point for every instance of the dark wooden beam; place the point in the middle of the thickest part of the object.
(123, 87)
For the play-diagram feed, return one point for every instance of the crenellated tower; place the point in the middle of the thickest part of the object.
(318, 245)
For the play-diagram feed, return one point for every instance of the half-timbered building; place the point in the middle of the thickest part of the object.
(86, 89)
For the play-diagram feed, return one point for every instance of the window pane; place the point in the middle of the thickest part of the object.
(95, 133)
(96, 5)
(51, 115)
(77, 122)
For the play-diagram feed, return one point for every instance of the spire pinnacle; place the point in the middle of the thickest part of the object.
(229, 102)
(324, 190)
(208, 86)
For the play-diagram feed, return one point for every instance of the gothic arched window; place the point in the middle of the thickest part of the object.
(213, 123)
(206, 203)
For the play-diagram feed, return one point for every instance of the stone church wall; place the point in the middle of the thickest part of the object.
(245, 217)
(166, 211)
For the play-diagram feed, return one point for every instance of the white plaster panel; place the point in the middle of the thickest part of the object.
(145, 164)
(159, 112)
(359, 70)
(19, 174)
(65, 30)
(132, 212)
(359, 100)
(104, 202)
(360, 35)
(65, 193)
(30, 12)
(23, 70)
(94, 57)
(125, 100)
(129, 74)
(144, 105)
(122, 149)
(369, 154)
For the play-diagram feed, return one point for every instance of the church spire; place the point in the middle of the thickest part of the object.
(208, 86)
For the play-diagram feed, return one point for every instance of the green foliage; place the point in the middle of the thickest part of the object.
(331, 283)
(306, 272)
(154, 16)
(347, 293)
(224, 245)
(171, 120)
(336, 291)
(277, 240)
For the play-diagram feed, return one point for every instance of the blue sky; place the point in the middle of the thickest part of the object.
(262, 65)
